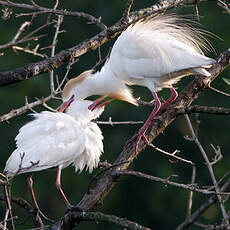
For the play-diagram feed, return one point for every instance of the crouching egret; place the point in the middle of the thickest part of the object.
(58, 140)
(153, 53)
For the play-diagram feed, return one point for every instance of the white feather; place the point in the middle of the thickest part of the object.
(155, 49)
(58, 140)
(154, 53)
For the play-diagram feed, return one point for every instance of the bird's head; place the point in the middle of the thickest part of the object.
(75, 90)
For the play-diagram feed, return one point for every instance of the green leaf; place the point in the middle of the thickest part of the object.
(227, 80)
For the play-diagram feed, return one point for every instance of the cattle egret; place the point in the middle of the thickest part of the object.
(58, 140)
(154, 53)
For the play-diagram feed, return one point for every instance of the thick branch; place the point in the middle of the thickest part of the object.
(47, 65)
(105, 184)
(98, 216)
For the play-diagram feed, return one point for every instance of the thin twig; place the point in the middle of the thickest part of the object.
(110, 122)
(26, 38)
(8, 203)
(172, 154)
(190, 187)
(203, 109)
(212, 200)
(217, 189)
(190, 200)
(98, 216)
(42, 10)
(23, 109)
(125, 17)
(218, 91)
(29, 51)
(54, 43)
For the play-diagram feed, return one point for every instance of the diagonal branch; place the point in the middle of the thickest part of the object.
(204, 207)
(98, 216)
(47, 65)
(97, 194)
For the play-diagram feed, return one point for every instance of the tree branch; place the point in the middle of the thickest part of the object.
(98, 216)
(42, 10)
(96, 194)
(47, 65)
(204, 109)
(204, 207)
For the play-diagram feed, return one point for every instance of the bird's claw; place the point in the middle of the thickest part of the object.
(137, 136)
(40, 214)
(74, 208)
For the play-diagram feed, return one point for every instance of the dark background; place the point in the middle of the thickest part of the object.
(151, 204)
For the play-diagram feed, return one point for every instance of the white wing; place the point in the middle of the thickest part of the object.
(51, 140)
(93, 148)
(147, 50)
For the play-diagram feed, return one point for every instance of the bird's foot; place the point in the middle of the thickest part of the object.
(74, 208)
(40, 214)
(138, 136)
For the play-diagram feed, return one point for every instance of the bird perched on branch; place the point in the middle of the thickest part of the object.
(153, 53)
(58, 140)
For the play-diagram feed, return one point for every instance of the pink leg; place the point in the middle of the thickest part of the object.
(158, 107)
(30, 183)
(142, 130)
(58, 185)
(172, 98)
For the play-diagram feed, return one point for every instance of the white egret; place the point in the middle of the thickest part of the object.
(153, 53)
(58, 140)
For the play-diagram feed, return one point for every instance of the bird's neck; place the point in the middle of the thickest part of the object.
(105, 82)
(102, 82)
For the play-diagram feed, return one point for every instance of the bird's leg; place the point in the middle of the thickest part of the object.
(158, 107)
(142, 130)
(172, 98)
(30, 184)
(58, 185)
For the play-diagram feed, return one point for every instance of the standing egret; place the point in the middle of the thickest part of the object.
(57, 140)
(154, 53)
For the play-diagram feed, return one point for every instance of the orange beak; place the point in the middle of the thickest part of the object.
(66, 104)
(96, 104)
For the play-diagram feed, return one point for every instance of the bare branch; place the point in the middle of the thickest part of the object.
(125, 17)
(190, 187)
(26, 38)
(219, 91)
(203, 109)
(203, 208)
(34, 69)
(190, 201)
(42, 10)
(211, 172)
(109, 179)
(110, 122)
(173, 155)
(98, 216)
(54, 43)
(23, 109)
